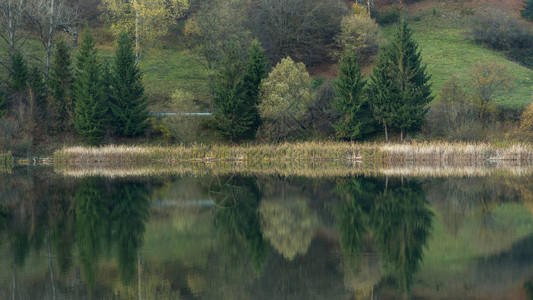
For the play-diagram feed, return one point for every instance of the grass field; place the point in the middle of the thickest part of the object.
(448, 51)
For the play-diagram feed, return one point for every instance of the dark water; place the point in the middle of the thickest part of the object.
(236, 237)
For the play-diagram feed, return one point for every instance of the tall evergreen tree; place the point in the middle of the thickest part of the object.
(400, 88)
(527, 10)
(61, 83)
(256, 71)
(37, 88)
(413, 80)
(383, 92)
(357, 120)
(127, 103)
(19, 72)
(3, 104)
(89, 105)
(234, 119)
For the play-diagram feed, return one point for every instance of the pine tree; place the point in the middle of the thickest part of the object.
(61, 83)
(19, 73)
(356, 120)
(413, 81)
(127, 103)
(89, 105)
(232, 117)
(400, 89)
(383, 92)
(37, 87)
(256, 71)
(527, 10)
(3, 104)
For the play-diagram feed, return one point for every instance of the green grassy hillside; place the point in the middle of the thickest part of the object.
(448, 51)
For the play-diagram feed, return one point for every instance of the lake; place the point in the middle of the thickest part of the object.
(236, 236)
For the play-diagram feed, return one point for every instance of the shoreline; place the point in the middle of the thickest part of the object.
(435, 152)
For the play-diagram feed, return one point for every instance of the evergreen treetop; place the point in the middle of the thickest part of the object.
(356, 117)
(19, 72)
(89, 105)
(127, 103)
(527, 10)
(61, 83)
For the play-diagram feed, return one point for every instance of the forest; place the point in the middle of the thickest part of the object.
(163, 72)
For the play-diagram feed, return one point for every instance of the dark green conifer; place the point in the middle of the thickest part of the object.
(230, 119)
(356, 120)
(127, 101)
(61, 84)
(19, 72)
(256, 71)
(3, 104)
(527, 10)
(400, 89)
(37, 88)
(89, 105)
(383, 92)
(413, 81)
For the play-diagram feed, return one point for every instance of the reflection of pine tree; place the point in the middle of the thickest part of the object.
(240, 225)
(129, 215)
(92, 214)
(401, 224)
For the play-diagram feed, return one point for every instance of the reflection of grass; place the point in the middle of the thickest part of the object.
(436, 152)
(6, 161)
(311, 169)
(481, 235)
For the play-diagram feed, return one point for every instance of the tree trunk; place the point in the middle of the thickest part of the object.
(137, 43)
(386, 132)
(48, 47)
(401, 135)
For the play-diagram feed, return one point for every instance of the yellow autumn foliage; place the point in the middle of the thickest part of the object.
(145, 20)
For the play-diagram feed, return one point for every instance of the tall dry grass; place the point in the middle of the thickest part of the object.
(435, 152)
(310, 169)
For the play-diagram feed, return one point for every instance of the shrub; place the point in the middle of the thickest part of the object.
(500, 30)
(183, 128)
(523, 56)
(488, 80)
(386, 16)
(454, 115)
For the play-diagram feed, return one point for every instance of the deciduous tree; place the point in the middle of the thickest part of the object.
(285, 97)
(145, 20)
(359, 33)
(47, 17)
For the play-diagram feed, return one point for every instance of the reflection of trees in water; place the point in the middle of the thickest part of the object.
(399, 222)
(289, 225)
(92, 224)
(240, 227)
(110, 218)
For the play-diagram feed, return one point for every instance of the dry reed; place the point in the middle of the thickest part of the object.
(435, 152)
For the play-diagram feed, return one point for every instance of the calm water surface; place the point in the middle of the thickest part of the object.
(237, 237)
